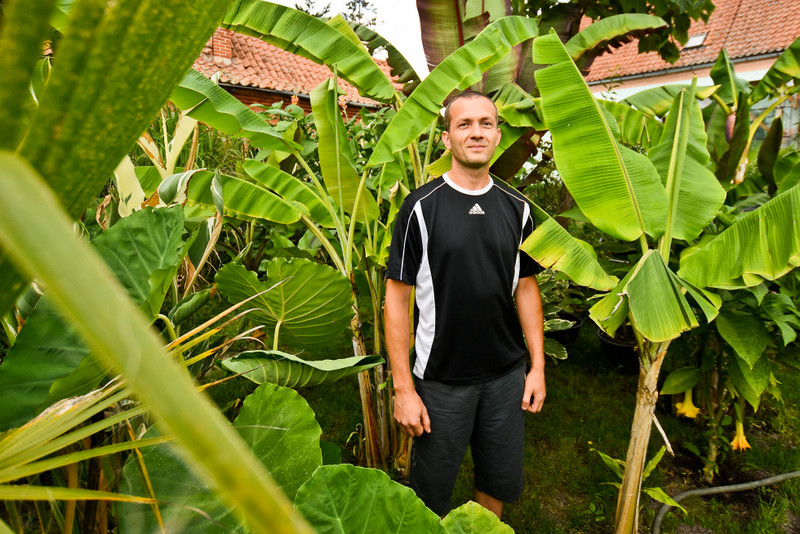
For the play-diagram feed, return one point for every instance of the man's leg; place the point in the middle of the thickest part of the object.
(489, 502)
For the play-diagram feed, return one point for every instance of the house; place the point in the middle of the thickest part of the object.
(754, 33)
(257, 72)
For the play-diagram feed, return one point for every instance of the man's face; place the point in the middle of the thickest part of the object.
(473, 133)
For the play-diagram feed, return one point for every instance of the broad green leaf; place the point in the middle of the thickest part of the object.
(600, 33)
(615, 187)
(205, 101)
(291, 189)
(276, 367)
(459, 70)
(336, 160)
(281, 429)
(657, 101)
(744, 332)
(635, 127)
(765, 242)
(787, 171)
(749, 382)
(680, 380)
(116, 66)
(311, 303)
(471, 517)
(785, 68)
(554, 248)
(680, 157)
(554, 349)
(80, 285)
(724, 74)
(344, 498)
(242, 199)
(517, 107)
(307, 36)
(45, 364)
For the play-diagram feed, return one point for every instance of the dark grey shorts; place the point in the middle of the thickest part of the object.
(489, 418)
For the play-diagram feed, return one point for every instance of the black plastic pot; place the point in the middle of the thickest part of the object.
(619, 352)
(567, 336)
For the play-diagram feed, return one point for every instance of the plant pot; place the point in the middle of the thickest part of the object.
(567, 336)
(619, 352)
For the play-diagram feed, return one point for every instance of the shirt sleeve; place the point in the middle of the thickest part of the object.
(405, 252)
(527, 265)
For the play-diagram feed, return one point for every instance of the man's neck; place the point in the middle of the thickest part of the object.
(472, 179)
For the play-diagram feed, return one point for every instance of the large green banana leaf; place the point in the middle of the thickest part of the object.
(115, 68)
(345, 498)
(459, 70)
(745, 333)
(554, 248)
(307, 36)
(310, 304)
(680, 158)
(602, 33)
(635, 127)
(654, 297)
(80, 284)
(763, 244)
(290, 189)
(276, 367)
(336, 159)
(657, 101)
(242, 198)
(49, 361)
(205, 101)
(724, 74)
(785, 68)
(279, 427)
(472, 517)
(616, 188)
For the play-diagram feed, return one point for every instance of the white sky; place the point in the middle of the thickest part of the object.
(398, 23)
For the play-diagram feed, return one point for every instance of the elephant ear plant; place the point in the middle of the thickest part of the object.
(663, 201)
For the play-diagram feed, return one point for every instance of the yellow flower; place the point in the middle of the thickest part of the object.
(687, 407)
(739, 442)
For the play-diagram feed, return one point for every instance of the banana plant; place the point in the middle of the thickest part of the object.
(663, 201)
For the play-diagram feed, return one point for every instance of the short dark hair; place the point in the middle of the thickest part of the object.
(469, 93)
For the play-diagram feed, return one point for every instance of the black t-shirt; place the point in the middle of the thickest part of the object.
(460, 249)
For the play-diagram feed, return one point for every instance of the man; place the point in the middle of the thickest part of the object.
(456, 242)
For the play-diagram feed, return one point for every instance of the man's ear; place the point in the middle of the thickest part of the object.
(446, 139)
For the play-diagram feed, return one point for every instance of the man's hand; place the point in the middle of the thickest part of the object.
(535, 391)
(411, 414)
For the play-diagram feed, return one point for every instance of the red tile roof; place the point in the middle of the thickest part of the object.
(746, 28)
(251, 62)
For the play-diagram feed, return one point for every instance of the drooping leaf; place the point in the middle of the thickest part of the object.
(680, 380)
(768, 153)
(785, 68)
(554, 248)
(336, 157)
(401, 69)
(680, 157)
(460, 70)
(472, 517)
(635, 127)
(311, 302)
(309, 37)
(724, 74)
(345, 498)
(616, 188)
(205, 101)
(657, 101)
(744, 332)
(276, 367)
(763, 244)
(614, 29)
(731, 163)
(242, 198)
(749, 382)
(291, 189)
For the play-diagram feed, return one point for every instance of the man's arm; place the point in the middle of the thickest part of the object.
(409, 411)
(531, 317)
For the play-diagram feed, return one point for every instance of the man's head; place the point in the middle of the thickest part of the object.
(471, 131)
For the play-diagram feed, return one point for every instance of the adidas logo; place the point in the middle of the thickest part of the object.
(476, 210)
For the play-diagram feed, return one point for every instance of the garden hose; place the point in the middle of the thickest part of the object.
(719, 489)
